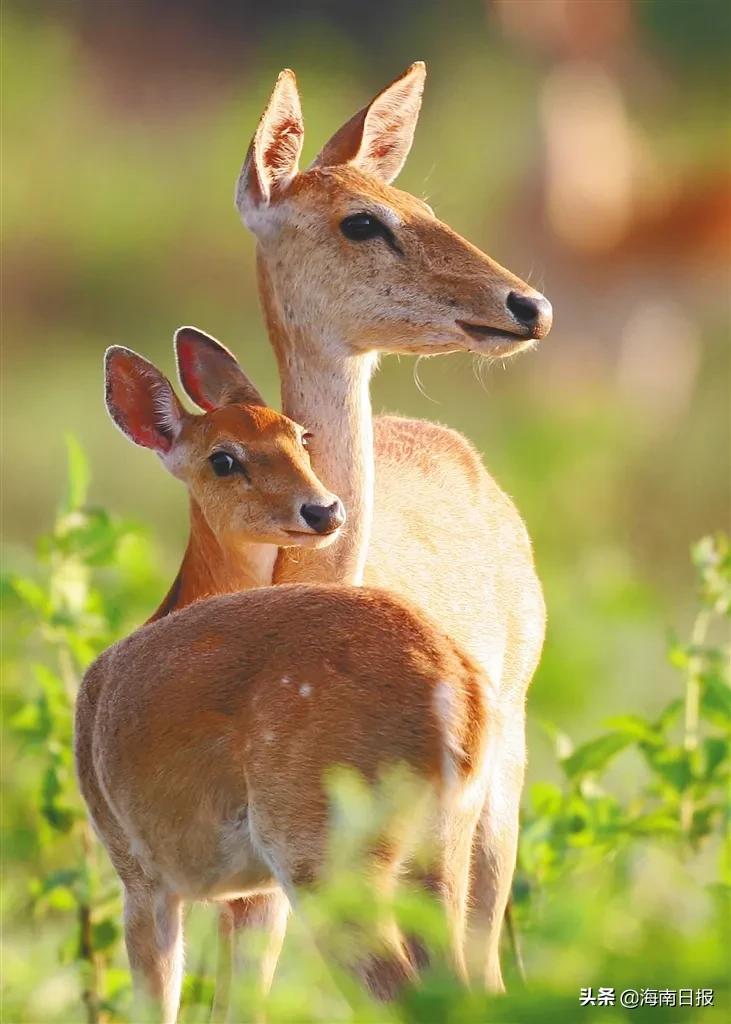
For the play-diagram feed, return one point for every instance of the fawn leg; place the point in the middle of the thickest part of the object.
(269, 913)
(154, 937)
(265, 911)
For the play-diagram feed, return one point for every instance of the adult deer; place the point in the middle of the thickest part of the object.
(348, 267)
(202, 740)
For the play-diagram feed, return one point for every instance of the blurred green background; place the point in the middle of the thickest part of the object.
(125, 126)
(583, 145)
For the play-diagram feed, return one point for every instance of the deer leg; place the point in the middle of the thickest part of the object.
(269, 913)
(496, 846)
(224, 965)
(450, 883)
(379, 961)
(154, 938)
(459, 836)
(386, 967)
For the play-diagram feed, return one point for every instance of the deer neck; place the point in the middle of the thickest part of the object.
(210, 568)
(329, 394)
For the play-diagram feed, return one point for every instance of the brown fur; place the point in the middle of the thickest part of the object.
(237, 521)
(203, 765)
(425, 520)
(220, 720)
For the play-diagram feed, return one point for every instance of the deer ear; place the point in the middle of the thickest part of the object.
(273, 158)
(209, 373)
(378, 138)
(141, 401)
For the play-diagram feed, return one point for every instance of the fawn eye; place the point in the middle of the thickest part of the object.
(224, 464)
(306, 438)
(361, 226)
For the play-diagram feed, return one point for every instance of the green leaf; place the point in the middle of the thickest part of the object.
(669, 715)
(546, 798)
(104, 934)
(716, 699)
(78, 475)
(31, 593)
(656, 823)
(66, 878)
(595, 755)
(31, 722)
(635, 728)
(716, 754)
(671, 764)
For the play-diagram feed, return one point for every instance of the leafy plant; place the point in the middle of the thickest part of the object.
(686, 752)
(583, 846)
(73, 620)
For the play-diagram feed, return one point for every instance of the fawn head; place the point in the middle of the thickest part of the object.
(368, 266)
(246, 466)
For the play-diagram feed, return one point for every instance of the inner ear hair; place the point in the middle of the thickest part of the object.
(272, 160)
(141, 400)
(209, 373)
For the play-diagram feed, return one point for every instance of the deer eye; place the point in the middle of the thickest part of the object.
(306, 438)
(224, 464)
(361, 226)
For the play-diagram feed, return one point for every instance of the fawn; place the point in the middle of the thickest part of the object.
(247, 469)
(263, 460)
(202, 740)
(350, 266)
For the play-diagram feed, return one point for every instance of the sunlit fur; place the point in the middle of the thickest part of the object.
(203, 743)
(263, 506)
(371, 297)
(236, 522)
(425, 520)
(203, 740)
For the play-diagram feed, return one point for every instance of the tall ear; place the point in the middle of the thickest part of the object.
(378, 138)
(273, 158)
(209, 373)
(141, 401)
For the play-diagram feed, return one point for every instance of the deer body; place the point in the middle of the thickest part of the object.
(203, 740)
(348, 267)
(441, 532)
(202, 743)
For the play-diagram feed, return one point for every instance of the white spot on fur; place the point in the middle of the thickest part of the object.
(305, 690)
(286, 680)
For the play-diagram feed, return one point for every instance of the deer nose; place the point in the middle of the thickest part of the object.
(531, 311)
(324, 518)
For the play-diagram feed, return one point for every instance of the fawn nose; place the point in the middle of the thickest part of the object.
(324, 518)
(531, 311)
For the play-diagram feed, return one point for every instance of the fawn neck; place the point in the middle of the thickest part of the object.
(210, 568)
(330, 395)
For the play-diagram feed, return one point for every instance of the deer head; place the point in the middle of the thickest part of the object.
(365, 266)
(246, 466)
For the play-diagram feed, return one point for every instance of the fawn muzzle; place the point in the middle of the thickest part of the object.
(324, 519)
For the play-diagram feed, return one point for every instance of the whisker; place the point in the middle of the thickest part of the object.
(418, 381)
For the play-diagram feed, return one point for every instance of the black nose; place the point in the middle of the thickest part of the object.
(531, 311)
(324, 518)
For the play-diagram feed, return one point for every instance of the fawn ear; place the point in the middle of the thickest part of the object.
(209, 373)
(141, 401)
(273, 158)
(378, 138)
